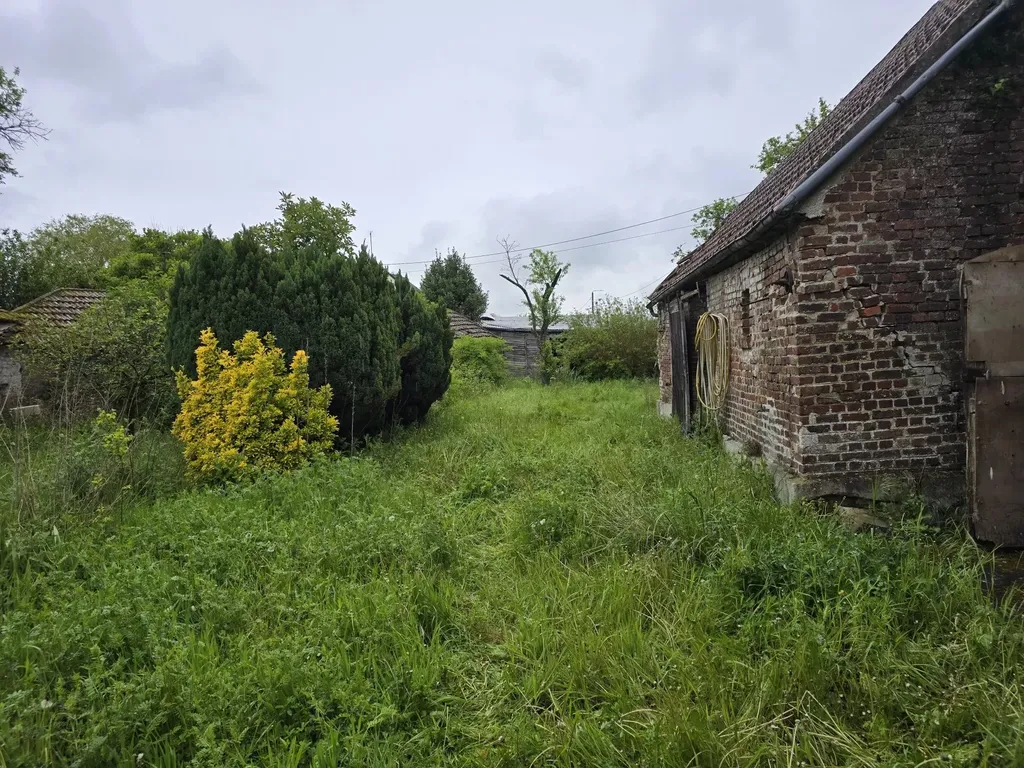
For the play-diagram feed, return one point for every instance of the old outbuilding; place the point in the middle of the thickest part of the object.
(60, 307)
(523, 351)
(868, 306)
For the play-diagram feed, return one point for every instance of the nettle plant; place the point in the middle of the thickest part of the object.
(247, 412)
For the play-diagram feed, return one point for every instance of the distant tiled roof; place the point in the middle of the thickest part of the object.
(940, 28)
(59, 307)
(463, 326)
(515, 323)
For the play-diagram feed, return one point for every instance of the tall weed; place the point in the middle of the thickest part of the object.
(538, 576)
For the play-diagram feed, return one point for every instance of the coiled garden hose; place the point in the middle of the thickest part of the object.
(712, 338)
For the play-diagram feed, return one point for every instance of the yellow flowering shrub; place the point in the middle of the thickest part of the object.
(246, 412)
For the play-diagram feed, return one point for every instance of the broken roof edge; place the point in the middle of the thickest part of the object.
(946, 48)
(20, 313)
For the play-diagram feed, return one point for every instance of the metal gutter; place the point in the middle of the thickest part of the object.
(790, 202)
(812, 182)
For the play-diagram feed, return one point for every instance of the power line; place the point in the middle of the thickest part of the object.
(577, 239)
(564, 250)
(643, 289)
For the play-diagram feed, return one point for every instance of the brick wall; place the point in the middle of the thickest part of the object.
(879, 334)
(760, 406)
(664, 361)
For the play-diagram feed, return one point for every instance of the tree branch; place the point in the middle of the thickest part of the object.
(521, 287)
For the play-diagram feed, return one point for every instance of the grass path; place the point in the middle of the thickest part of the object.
(537, 577)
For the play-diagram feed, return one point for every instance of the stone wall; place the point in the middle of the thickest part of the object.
(664, 364)
(10, 379)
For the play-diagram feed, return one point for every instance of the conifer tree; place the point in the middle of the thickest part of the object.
(425, 352)
(384, 350)
(197, 295)
(450, 282)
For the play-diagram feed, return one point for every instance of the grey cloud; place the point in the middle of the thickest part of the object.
(105, 60)
(573, 74)
(698, 49)
(612, 269)
(544, 122)
(434, 236)
(14, 201)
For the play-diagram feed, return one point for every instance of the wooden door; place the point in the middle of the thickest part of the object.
(680, 366)
(993, 293)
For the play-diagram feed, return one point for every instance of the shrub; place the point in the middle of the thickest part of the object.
(424, 351)
(244, 413)
(340, 307)
(476, 361)
(343, 310)
(619, 341)
(383, 350)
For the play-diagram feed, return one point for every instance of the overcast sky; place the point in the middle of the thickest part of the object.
(442, 124)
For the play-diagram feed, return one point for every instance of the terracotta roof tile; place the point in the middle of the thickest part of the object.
(945, 23)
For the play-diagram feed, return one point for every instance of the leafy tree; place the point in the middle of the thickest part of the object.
(308, 222)
(74, 251)
(17, 123)
(14, 262)
(710, 217)
(154, 259)
(450, 282)
(778, 147)
(424, 351)
(538, 285)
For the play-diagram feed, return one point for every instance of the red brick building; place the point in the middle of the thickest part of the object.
(840, 274)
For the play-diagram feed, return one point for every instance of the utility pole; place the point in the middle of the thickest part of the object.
(371, 242)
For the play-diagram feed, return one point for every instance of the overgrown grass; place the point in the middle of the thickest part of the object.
(537, 577)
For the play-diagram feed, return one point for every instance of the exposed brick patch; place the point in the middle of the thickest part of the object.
(760, 405)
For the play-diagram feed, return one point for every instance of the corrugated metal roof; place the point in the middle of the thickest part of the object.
(940, 28)
(515, 323)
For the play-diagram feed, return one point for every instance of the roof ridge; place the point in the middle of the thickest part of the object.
(54, 291)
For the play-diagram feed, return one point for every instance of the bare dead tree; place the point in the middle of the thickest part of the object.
(17, 123)
(510, 246)
(545, 274)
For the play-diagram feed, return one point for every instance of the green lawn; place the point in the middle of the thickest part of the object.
(537, 577)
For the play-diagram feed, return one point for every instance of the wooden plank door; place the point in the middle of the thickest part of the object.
(680, 367)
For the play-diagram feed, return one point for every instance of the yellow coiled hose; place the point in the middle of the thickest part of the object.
(712, 338)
